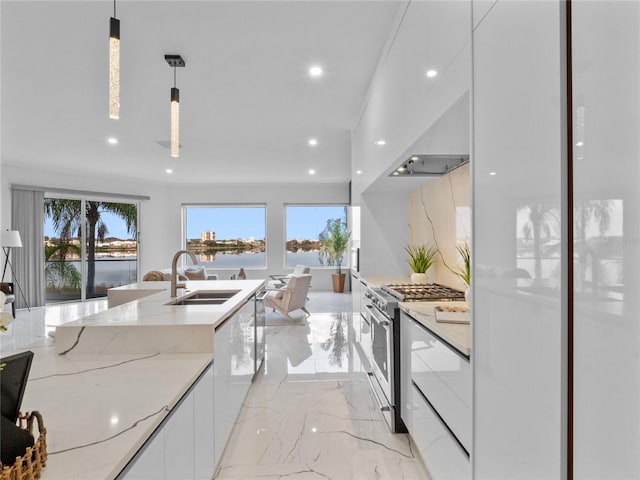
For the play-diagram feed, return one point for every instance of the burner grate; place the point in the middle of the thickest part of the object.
(408, 292)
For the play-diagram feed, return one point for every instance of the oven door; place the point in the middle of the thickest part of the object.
(381, 350)
(381, 375)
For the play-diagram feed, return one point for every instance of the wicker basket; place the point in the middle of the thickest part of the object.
(29, 466)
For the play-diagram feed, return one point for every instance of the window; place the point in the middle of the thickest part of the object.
(228, 236)
(304, 224)
(85, 262)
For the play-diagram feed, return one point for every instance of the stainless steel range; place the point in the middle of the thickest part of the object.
(382, 314)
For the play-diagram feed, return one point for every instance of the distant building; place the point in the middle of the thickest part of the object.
(204, 236)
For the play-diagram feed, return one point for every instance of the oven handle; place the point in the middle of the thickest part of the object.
(375, 316)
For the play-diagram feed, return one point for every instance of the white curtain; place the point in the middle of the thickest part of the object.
(27, 217)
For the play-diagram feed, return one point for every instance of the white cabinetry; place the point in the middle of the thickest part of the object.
(182, 447)
(442, 455)
(233, 367)
(435, 382)
(190, 441)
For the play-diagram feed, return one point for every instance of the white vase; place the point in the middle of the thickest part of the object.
(419, 278)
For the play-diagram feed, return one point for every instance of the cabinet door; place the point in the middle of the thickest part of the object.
(182, 449)
(443, 456)
(179, 442)
(149, 463)
(444, 377)
(233, 366)
(204, 427)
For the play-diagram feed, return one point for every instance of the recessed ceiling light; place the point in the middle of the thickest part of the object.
(315, 71)
(168, 170)
(358, 172)
(402, 169)
(579, 144)
(492, 173)
(396, 173)
(431, 73)
(312, 142)
(112, 140)
(312, 171)
(381, 142)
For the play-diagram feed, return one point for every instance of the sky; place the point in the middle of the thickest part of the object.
(244, 222)
(303, 222)
(117, 227)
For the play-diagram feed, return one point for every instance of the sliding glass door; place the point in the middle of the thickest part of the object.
(90, 246)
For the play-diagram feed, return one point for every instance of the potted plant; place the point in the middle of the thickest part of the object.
(335, 239)
(464, 271)
(420, 260)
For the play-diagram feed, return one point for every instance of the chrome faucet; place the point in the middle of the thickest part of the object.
(174, 271)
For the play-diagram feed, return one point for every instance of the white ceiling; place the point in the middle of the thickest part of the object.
(247, 106)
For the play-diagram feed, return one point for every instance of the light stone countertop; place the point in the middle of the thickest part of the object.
(457, 335)
(151, 325)
(103, 399)
(100, 409)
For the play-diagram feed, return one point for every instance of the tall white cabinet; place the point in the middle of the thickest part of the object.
(517, 173)
(606, 170)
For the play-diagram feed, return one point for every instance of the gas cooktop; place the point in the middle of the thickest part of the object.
(409, 292)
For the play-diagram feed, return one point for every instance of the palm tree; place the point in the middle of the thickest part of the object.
(66, 218)
(61, 275)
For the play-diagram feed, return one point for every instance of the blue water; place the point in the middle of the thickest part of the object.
(112, 273)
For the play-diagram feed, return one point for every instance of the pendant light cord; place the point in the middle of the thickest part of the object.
(114, 8)
(174, 76)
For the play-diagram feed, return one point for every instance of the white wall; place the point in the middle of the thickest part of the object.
(518, 331)
(160, 216)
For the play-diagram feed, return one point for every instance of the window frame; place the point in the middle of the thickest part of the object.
(183, 242)
(346, 261)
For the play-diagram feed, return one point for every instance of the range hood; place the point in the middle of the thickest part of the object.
(430, 165)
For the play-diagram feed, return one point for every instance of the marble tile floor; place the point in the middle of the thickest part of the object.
(309, 414)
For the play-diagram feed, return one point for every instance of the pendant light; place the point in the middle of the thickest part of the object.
(175, 61)
(114, 65)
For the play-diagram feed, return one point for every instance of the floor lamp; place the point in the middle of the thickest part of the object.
(11, 239)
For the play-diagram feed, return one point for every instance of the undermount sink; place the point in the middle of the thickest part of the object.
(206, 297)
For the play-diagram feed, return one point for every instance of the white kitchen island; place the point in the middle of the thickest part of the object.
(135, 391)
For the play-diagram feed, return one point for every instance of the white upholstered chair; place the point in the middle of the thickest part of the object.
(291, 297)
(280, 280)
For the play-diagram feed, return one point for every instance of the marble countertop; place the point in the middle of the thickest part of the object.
(176, 328)
(457, 335)
(107, 381)
(100, 409)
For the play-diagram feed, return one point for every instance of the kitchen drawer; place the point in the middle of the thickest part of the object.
(442, 454)
(444, 377)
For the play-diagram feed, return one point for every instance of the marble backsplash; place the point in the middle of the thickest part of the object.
(440, 215)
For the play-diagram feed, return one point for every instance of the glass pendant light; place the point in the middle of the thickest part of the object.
(175, 61)
(114, 65)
